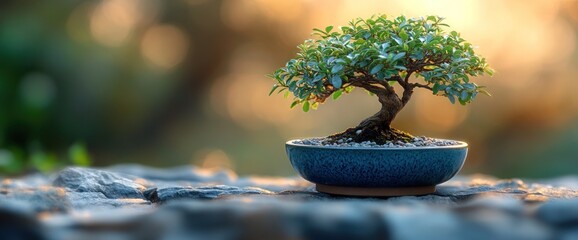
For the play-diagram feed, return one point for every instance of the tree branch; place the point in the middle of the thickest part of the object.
(367, 81)
(409, 91)
(406, 96)
(406, 80)
(426, 86)
(399, 80)
(370, 79)
(371, 88)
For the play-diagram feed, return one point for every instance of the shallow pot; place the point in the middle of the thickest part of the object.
(367, 171)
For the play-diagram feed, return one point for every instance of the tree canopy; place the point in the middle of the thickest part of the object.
(377, 53)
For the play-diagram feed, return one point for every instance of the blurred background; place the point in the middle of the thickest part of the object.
(167, 83)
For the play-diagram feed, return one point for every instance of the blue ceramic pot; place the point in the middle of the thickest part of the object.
(376, 171)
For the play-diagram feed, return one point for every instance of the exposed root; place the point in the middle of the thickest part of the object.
(373, 133)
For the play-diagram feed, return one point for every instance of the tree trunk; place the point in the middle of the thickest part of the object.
(377, 128)
(390, 106)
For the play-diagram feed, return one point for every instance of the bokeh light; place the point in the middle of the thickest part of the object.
(112, 21)
(165, 46)
(157, 82)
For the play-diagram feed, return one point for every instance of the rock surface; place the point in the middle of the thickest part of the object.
(136, 202)
(109, 184)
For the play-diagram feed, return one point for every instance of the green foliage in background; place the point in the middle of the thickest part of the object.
(15, 160)
(60, 84)
(382, 51)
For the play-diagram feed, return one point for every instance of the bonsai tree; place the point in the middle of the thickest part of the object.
(375, 54)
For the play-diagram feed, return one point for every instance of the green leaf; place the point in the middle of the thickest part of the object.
(336, 81)
(306, 106)
(43, 162)
(337, 94)
(292, 86)
(318, 77)
(336, 68)
(319, 31)
(314, 105)
(294, 103)
(462, 102)
(483, 91)
(339, 60)
(403, 35)
(452, 98)
(376, 69)
(78, 155)
(348, 89)
(384, 46)
(436, 88)
(328, 29)
(464, 96)
(367, 35)
(275, 86)
(398, 56)
(397, 40)
(470, 86)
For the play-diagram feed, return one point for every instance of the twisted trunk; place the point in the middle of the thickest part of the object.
(377, 128)
(390, 106)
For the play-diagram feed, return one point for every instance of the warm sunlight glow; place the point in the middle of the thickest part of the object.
(283, 11)
(165, 46)
(247, 103)
(436, 113)
(276, 181)
(216, 159)
(112, 21)
(239, 14)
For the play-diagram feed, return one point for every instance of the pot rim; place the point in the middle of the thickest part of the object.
(461, 144)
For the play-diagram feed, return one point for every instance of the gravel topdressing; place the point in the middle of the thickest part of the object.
(421, 141)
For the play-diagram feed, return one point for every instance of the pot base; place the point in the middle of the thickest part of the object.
(375, 192)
